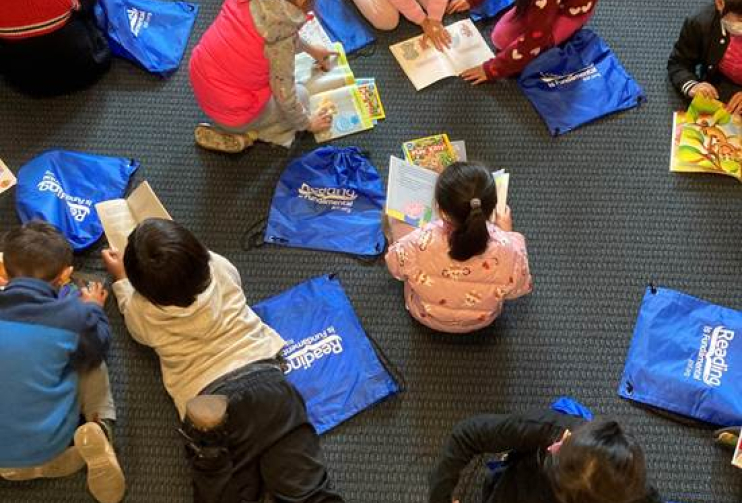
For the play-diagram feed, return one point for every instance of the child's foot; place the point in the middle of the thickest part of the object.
(212, 139)
(63, 465)
(105, 479)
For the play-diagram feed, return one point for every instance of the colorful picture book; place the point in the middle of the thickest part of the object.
(350, 102)
(411, 192)
(707, 139)
(432, 152)
(371, 99)
(120, 216)
(425, 65)
(7, 178)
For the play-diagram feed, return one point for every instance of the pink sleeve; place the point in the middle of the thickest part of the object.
(401, 254)
(522, 281)
(411, 9)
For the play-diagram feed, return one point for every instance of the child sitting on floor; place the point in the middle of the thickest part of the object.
(529, 28)
(459, 270)
(707, 58)
(242, 73)
(551, 458)
(52, 368)
(246, 427)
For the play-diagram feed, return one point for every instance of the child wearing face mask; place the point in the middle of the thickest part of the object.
(707, 58)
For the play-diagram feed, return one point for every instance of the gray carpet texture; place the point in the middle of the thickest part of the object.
(600, 211)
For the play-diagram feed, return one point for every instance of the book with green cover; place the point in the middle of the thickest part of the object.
(707, 139)
(432, 152)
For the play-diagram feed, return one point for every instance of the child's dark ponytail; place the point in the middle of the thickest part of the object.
(466, 195)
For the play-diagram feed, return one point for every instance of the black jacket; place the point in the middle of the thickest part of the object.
(526, 437)
(697, 53)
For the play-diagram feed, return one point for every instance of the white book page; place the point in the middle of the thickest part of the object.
(345, 107)
(468, 47)
(502, 185)
(309, 74)
(144, 204)
(117, 220)
(410, 193)
(313, 33)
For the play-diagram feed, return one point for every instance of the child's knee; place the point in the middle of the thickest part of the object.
(387, 22)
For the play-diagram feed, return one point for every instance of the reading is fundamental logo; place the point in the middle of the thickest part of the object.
(79, 207)
(711, 363)
(335, 198)
(138, 20)
(302, 355)
(588, 73)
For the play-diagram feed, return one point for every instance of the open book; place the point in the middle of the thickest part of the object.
(120, 216)
(335, 91)
(7, 179)
(707, 139)
(313, 33)
(427, 65)
(410, 194)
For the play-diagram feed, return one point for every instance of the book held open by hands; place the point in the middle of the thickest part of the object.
(425, 65)
(121, 216)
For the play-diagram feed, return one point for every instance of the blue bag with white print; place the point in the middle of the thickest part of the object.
(63, 187)
(686, 358)
(330, 199)
(328, 357)
(151, 33)
(489, 9)
(343, 24)
(577, 83)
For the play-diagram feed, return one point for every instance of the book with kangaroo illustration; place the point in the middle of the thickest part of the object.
(432, 152)
(410, 195)
(424, 64)
(707, 139)
(121, 216)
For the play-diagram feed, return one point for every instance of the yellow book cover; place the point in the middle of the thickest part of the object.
(707, 139)
(371, 99)
(432, 152)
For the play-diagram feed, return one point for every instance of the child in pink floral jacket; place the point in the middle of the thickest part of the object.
(459, 270)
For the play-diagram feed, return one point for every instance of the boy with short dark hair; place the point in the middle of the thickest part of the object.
(52, 368)
(246, 427)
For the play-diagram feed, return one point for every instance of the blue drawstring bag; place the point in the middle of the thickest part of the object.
(330, 199)
(686, 358)
(328, 357)
(577, 83)
(151, 33)
(343, 24)
(63, 187)
(489, 9)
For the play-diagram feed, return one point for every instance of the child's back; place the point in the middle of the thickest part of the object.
(197, 344)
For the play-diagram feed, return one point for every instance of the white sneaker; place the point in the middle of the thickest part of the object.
(63, 465)
(105, 479)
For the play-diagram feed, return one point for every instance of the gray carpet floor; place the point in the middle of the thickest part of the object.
(600, 211)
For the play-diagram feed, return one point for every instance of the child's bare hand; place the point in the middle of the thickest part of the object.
(94, 293)
(704, 89)
(320, 121)
(114, 262)
(735, 104)
(436, 33)
(458, 6)
(504, 219)
(475, 75)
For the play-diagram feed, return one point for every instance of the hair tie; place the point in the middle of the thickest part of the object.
(475, 203)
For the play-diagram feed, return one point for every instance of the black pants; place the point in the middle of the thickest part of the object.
(68, 59)
(267, 447)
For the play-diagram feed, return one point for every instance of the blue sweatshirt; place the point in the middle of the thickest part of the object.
(43, 340)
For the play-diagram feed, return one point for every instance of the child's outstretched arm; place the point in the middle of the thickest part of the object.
(124, 292)
(686, 55)
(95, 337)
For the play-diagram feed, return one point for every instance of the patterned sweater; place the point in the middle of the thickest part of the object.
(539, 19)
